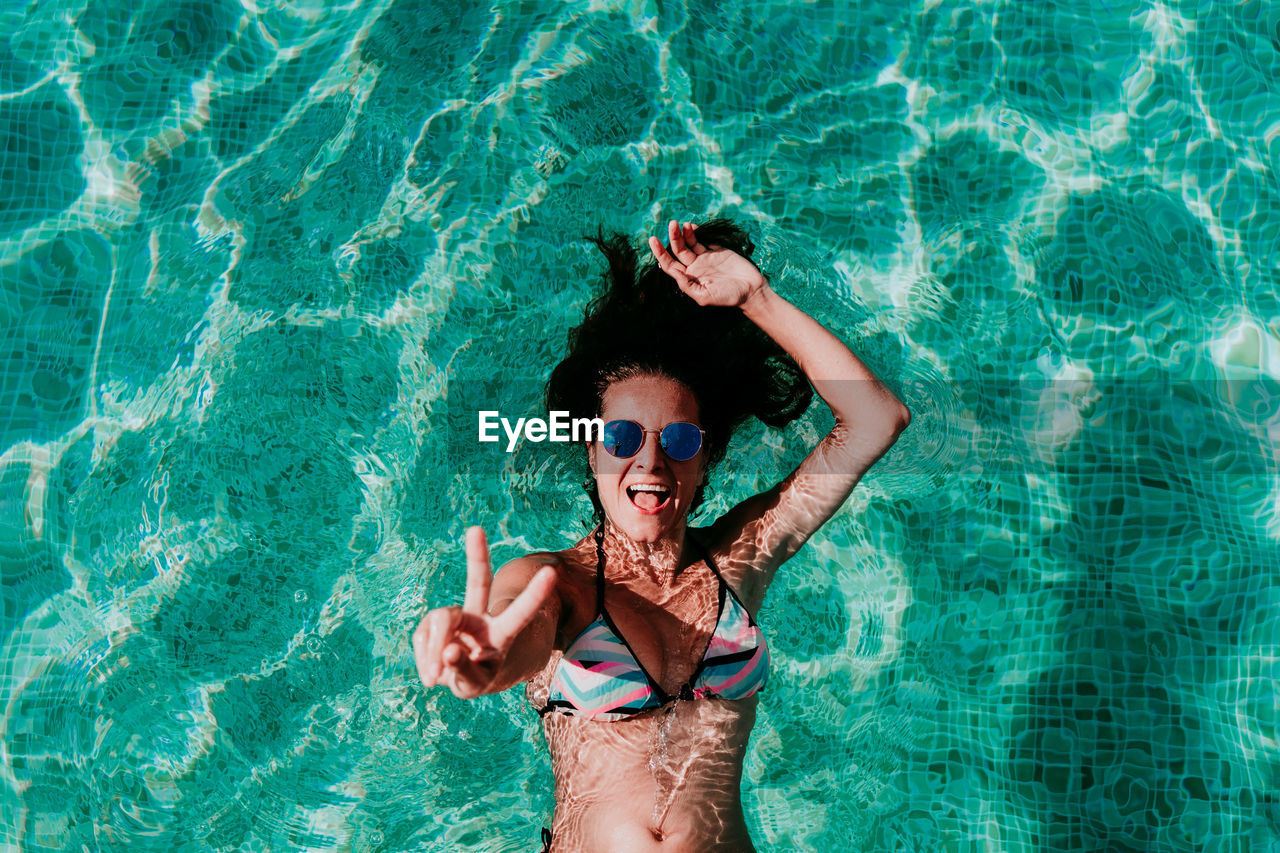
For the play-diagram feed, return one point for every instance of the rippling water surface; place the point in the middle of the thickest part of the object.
(261, 264)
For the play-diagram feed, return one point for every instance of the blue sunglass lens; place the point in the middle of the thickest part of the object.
(681, 440)
(622, 438)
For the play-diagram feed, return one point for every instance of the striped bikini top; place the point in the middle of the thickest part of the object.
(600, 678)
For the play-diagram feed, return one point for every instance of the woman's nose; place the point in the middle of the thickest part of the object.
(650, 454)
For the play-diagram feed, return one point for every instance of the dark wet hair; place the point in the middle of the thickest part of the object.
(642, 324)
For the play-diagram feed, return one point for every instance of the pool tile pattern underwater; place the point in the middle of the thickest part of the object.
(261, 264)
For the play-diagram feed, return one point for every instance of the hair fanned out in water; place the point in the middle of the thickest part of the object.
(642, 324)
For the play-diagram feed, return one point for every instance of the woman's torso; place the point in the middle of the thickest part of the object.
(666, 779)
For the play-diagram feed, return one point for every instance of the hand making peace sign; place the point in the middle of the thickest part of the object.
(464, 647)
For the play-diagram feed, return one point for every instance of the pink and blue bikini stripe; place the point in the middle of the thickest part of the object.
(599, 678)
(736, 664)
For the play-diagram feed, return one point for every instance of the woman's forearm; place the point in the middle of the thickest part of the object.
(854, 393)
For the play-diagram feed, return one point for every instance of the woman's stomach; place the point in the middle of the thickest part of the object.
(665, 780)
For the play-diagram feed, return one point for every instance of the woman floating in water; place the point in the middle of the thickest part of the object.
(639, 643)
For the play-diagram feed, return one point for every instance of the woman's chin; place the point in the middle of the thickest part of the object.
(648, 528)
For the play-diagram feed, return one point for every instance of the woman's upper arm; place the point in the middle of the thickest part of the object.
(766, 530)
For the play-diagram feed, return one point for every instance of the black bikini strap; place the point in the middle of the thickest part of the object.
(706, 555)
(600, 569)
(724, 585)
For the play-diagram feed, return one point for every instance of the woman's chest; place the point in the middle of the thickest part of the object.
(664, 632)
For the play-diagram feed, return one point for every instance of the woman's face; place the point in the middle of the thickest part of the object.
(648, 515)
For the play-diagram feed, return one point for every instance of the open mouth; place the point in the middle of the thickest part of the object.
(649, 498)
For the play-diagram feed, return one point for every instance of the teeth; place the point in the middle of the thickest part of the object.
(649, 487)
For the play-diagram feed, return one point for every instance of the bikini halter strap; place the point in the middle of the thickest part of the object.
(600, 569)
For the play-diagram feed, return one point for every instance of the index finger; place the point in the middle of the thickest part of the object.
(479, 572)
(666, 263)
(691, 239)
(678, 246)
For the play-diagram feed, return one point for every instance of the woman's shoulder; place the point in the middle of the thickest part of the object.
(571, 578)
(566, 558)
(575, 585)
(573, 569)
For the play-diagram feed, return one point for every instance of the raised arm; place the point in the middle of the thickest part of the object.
(767, 529)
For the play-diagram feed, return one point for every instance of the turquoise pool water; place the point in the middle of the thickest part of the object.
(261, 264)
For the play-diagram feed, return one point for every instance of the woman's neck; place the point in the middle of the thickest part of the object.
(659, 562)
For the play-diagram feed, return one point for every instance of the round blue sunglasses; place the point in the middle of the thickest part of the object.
(680, 440)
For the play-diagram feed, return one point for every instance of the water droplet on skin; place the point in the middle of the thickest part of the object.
(658, 752)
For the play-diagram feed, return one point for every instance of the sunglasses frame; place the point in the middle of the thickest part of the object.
(702, 435)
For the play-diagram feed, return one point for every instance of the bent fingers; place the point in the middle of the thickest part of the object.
(667, 263)
(440, 628)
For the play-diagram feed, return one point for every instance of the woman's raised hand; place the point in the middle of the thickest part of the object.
(711, 275)
(464, 647)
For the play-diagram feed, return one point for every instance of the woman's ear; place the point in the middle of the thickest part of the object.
(591, 457)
